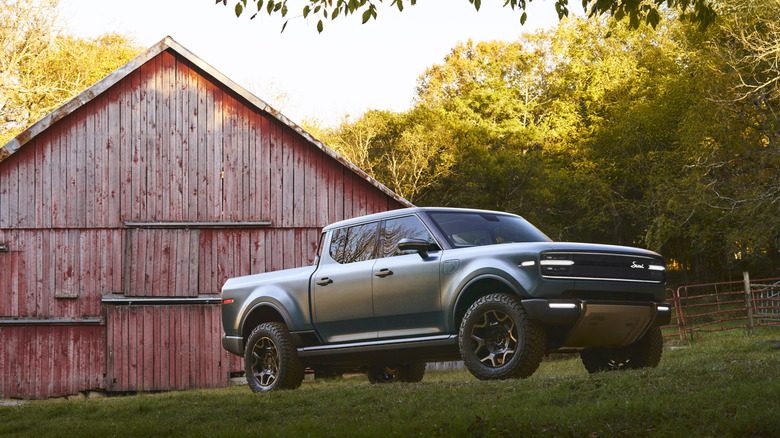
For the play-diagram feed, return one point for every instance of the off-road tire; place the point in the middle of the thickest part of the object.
(497, 341)
(644, 353)
(411, 372)
(271, 359)
(415, 372)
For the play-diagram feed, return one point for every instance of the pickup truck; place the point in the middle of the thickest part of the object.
(392, 291)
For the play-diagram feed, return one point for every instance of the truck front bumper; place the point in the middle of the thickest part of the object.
(609, 324)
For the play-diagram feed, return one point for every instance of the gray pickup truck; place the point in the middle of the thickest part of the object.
(391, 291)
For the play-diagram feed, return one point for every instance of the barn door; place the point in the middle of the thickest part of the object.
(161, 262)
(165, 344)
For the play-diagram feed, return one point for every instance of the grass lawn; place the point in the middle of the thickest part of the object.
(726, 384)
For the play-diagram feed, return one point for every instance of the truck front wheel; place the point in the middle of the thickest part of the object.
(497, 341)
(271, 360)
(644, 353)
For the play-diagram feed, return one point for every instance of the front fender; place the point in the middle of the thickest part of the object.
(456, 287)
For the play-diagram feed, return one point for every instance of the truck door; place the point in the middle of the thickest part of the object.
(341, 287)
(407, 296)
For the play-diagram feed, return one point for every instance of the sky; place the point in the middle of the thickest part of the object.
(329, 76)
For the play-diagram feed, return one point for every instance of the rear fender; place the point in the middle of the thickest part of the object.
(293, 314)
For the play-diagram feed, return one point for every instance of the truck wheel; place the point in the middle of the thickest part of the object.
(415, 372)
(271, 360)
(644, 353)
(497, 341)
(412, 372)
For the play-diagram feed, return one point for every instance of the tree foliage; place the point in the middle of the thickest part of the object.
(41, 66)
(664, 137)
(636, 12)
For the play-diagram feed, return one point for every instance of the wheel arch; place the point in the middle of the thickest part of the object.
(477, 288)
(262, 312)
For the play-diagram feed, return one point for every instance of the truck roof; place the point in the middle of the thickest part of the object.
(405, 212)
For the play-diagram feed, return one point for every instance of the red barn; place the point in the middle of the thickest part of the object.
(123, 212)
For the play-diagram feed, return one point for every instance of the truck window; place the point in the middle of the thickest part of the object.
(354, 244)
(409, 227)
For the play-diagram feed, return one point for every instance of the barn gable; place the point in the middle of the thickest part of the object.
(123, 211)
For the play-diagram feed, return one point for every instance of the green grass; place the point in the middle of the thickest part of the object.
(727, 384)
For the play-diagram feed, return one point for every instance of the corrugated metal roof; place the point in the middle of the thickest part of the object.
(168, 43)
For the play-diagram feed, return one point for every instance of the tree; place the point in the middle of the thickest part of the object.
(637, 12)
(407, 152)
(41, 67)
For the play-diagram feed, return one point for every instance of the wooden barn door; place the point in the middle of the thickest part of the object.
(161, 263)
(164, 329)
(164, 345)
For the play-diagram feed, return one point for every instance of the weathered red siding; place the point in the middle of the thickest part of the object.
(160, 187)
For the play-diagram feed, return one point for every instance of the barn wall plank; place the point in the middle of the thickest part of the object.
(112, 154)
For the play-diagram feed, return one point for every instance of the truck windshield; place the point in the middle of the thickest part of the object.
(464, 229)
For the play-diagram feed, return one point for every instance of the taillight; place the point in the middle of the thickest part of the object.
(227, 301)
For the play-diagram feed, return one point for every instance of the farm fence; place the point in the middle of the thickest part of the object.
(715, 307)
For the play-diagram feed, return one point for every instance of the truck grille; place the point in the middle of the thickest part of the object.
(603, 266)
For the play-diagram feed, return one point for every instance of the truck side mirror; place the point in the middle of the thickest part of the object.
(421, 246)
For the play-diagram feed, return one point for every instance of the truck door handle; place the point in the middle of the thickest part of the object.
(383, 272)
(324, 281)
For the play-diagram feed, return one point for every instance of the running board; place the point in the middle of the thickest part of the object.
(384, 345)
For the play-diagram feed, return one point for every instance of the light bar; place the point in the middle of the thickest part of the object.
(527, 263)
(227, 301)
(556, 262)
(663, 308)
(563, 306)
(656, 268)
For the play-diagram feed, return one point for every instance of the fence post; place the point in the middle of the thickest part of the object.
(748, 303)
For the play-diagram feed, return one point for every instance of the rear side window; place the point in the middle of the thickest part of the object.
(354, 244)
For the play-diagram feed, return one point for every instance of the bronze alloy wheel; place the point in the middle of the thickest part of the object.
(494, 338)
(271, 360)
(265, 362)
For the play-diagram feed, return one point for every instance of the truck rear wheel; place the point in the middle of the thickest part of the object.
(411, 372)
(271, 360)
(497, 341)
(644, 353)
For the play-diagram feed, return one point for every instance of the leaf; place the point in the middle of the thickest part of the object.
(259, 5)
(319, 26)
(653, 17)
(366, 15)
(306, 11)
(239, 9)
(270, 6)
(335, 13)
(477, 4)
(523, 18)
(284, 25)
(400, 5)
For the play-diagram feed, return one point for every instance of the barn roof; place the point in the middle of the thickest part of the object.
(168, 43)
